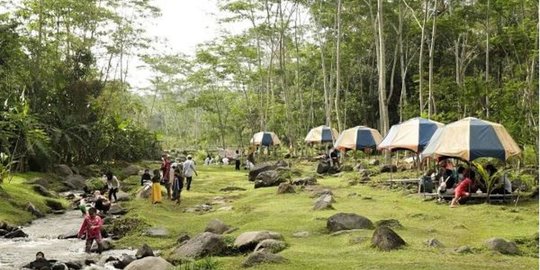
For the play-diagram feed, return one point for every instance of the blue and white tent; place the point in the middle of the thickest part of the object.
(358, 138)
(472, 138)
(413, 134)
(321, 134)
(265, 138)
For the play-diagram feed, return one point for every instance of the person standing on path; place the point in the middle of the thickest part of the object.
(189, 170)
(91, 227)
(166, 176)
(113, 185)
(156, 188)
(237, 160)
(178, 184)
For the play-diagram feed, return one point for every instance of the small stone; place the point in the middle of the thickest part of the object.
(434, 243)
(463, 249)
(301, 234)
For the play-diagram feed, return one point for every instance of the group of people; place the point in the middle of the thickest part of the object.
(464, 181)
(236, 157)
(171, 175)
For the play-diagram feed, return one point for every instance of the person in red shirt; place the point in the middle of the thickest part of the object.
(463, 188)
(91, 227)
(166, 178)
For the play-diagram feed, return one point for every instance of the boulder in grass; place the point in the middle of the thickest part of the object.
(285, 188)
(391, 223)
(324, 202)
(76, 181)
(270, 245)
(248, 241)
(268, 179)
(502, 246)
(217, 226)
(253, 173)
(149, 263)
(256, 258)
(348, 221)
(202, 245)
(386, 239)
(157, 232)
(307, 181)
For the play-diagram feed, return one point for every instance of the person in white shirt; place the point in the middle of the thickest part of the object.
(113, 184)
(189, 170)
(237, 160)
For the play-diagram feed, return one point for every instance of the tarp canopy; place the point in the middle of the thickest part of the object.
(265, 138)
(471, 138)
(321, 134)
(413, 134)
(357, 138)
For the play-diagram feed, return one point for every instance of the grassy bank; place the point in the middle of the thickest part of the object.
(16, 194)
(263, 209)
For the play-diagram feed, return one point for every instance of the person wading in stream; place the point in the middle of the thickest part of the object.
(91, 227)
(40, 263)
(113, 184)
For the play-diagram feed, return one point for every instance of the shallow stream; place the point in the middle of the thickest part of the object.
(43, 236)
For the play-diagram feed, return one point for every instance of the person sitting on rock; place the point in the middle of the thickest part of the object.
(91, 228)
(40, 263)
(145, 177)
(101, 203)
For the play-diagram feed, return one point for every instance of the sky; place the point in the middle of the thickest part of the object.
(184, 24)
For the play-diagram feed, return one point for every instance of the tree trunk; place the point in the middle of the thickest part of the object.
(421, 59)
(431, 51)
(383, 105)
(338, 39)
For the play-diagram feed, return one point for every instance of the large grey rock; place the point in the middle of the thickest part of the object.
(285, 188)
(69, 234)
(41, 190)
(391, 223)
(325, 167)
(157, 232)
(386, 239)
(217, 226)
(124, 261)
(16, 234)
(131, 170)
(253, 173)
(262, 257)
(248, 241)
(62, 170)
(324, 202)
(123, 196)
(76, 181)
(116, 209)
(107, 244)
(149, 263)
(268, 179)
(281, 164)
(348, 221)
(319, 192)
(270, 245)
(32, 209)
(144, 251)
(205, 244)
(307, 181)
(502, 246)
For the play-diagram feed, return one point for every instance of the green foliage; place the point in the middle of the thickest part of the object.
(207, 263)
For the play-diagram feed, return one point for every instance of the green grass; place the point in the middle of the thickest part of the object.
(14, 196)
(263, 209)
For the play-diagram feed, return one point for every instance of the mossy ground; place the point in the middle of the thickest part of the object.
(263, 209)
(16, 194)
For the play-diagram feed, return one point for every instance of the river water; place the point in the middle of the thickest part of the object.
(43, 236)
